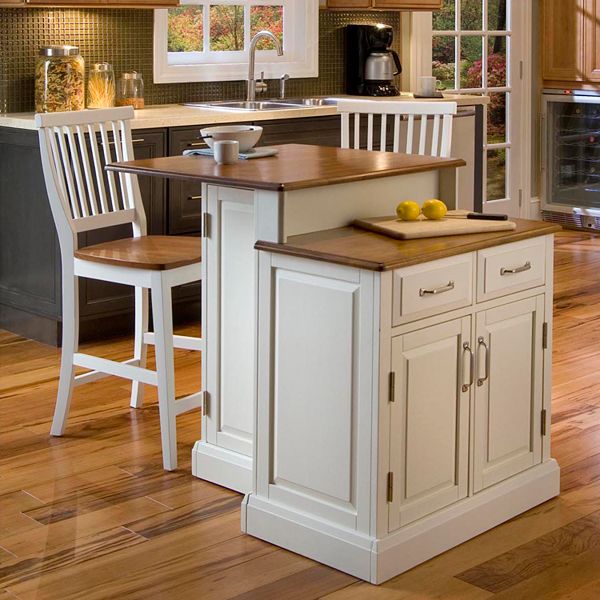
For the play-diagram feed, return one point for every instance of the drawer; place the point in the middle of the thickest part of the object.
(430, 288)
(511, 268)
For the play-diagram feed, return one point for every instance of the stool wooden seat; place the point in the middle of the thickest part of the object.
(154, 252)
(74, 148)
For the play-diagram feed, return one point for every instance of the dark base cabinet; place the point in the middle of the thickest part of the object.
(30, 267)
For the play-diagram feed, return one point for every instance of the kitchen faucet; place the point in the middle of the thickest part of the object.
(251, 95)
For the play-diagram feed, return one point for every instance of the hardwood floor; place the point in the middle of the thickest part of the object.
(93, 515)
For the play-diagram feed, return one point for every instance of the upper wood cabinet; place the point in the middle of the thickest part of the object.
(570, 40)
(388, 4)
(591, 48)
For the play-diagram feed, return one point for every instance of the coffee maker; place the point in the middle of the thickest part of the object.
(371, 64)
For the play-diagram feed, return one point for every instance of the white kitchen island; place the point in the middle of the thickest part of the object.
(378, 401)
(403, 393)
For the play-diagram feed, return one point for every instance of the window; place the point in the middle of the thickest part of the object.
(475, 46)
(209, 40)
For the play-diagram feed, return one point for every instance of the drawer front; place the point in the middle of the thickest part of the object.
(431, 288)
(511, 268)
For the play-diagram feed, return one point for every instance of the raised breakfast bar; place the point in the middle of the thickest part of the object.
(378, 401)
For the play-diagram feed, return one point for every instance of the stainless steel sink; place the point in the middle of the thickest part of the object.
(309, 102)
(241, 105)
(283, 104)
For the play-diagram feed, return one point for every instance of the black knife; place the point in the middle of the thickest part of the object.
(482, 216)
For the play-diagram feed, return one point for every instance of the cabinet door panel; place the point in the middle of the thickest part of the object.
(229, 317)
(592, 41)
(429, 421)
(508, 402)
(563, 23)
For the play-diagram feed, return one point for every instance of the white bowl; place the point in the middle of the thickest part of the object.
(246, 135)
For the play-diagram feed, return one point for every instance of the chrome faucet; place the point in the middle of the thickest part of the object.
(251, 95)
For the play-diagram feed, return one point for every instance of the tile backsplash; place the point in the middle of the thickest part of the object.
(123, 37)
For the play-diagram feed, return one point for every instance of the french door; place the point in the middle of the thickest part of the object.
(478, 47)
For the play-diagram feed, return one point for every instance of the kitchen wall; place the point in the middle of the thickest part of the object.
(123, 37)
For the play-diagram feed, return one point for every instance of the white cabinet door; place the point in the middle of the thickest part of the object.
(508, 393)
(229, 319)
(429, 420)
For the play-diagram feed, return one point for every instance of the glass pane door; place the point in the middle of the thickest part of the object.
(472, 42)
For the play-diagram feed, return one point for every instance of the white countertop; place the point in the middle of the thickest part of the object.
(177, 115)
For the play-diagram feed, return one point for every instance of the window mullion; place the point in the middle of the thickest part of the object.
(206, 26)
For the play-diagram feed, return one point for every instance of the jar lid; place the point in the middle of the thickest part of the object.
(59, 51)
(104, 66)
(132, 75)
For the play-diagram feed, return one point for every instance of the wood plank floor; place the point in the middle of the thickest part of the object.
(93, 515)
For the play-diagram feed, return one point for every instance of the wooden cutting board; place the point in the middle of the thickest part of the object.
(423, 228)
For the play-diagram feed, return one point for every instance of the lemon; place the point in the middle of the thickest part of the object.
(434, 209)
(408, 210)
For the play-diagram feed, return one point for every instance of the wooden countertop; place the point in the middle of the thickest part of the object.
(365, 250)
(296, 166)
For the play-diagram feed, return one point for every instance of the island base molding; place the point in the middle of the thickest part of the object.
(377, 560)
(221, 466)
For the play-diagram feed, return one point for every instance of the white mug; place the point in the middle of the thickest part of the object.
(426, 86)
(227, 152)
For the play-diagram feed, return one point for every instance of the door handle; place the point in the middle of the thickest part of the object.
(440, 290)
(467, 348)
(482, 344)
(512, 271)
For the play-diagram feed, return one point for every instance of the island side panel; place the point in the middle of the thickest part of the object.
(337, 205)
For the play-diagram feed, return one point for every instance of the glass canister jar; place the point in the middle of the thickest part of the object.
(101, 86)
(130, 90)
(59, 79)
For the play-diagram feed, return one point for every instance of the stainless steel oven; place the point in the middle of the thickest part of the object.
(571, 154)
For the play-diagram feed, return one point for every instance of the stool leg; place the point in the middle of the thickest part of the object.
(163, 332)
(139, 347)
(70, 343)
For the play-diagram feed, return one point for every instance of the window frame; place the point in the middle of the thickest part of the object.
(301, 47)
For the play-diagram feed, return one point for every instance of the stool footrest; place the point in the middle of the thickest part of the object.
(183, 342)
(112, 367)
(187, 403)
(97, 375)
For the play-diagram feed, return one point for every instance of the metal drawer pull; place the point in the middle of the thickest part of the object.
(482, 344)
(525, 267)
(136, 141)
(440, 290)
(194, 144)
(194, 197)
(467, 348)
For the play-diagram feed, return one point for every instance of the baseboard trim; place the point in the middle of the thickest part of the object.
(377, 560)
(223, 467)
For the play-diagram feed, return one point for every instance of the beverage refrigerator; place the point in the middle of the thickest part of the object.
(570, 157)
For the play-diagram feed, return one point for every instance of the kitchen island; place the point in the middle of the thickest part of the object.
(379, 401)
(303, 189)
(404, 388)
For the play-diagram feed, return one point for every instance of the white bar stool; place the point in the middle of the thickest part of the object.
(84, 197)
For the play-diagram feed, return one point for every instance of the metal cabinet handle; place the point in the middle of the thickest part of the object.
(467, 348)
(440, 290)
(525, 267)
(195, 144)
(194, 198)
(136, 141)
(482, 344)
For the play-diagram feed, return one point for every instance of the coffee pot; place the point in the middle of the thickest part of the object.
(382, 66)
